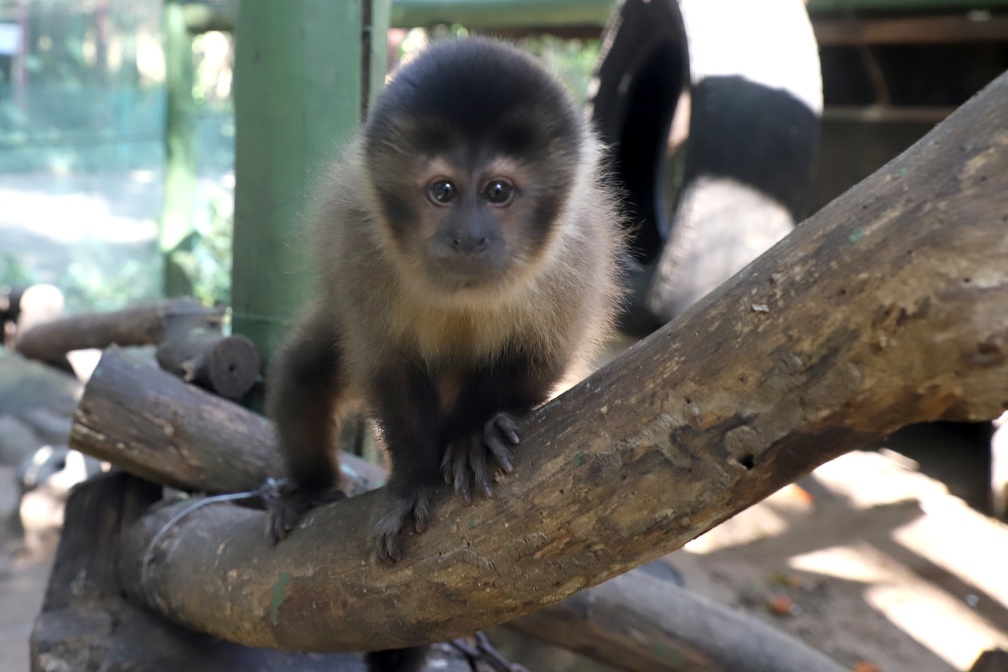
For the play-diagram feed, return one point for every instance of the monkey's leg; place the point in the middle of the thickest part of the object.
(482, 424)
(304, 389)
(405, 404)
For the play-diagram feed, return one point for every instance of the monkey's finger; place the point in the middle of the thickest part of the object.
(477, 462)
(446, 465)
(388, 550)
(274, 534)
(507, 427)
(500, 453)
(421, 513)
(461, 476)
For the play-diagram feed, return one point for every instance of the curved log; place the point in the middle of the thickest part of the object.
(888, 307)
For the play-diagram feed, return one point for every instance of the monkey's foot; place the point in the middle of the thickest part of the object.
(395, 510)
(466, 459)
(284, 511)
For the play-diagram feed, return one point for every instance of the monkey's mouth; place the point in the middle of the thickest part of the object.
(466, 271)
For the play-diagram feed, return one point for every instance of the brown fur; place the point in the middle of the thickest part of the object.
(444, 358)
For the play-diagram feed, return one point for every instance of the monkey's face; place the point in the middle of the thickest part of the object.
(471, 218)
(472, 152)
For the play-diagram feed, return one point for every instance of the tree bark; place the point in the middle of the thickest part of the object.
(888, 307)
(140, 325)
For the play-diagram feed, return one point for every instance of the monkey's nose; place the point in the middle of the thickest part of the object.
(468, 244)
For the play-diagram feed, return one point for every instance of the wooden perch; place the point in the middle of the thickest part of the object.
(888, 307)
(140, 325)
(216, 446)
(638, 622)
(153, 425)
(226, 365)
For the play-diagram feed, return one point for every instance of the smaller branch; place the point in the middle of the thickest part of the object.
(140, 325)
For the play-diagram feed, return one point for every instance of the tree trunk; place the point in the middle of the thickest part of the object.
(888, 307)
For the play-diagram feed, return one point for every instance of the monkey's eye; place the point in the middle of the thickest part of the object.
(442, 192)
(498, 192)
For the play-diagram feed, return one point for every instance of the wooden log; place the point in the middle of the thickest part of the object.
(640, 623)
(995, 660)
(226, 365)
(24, 306)
(153, 425)
(85, 623)
(671, 643)
(888, 307)
(140, 325)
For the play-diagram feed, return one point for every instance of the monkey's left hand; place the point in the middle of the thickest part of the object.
(466, 459)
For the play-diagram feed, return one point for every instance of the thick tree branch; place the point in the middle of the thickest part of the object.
(150, 423)
(888, 307)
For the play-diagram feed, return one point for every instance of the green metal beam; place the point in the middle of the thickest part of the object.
(502, 13)
(298, 92)
(491, 14)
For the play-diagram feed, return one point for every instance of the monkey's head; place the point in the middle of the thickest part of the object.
(473, 152)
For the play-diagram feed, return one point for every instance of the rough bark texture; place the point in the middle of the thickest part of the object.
(155, 426)
(888, 307)
(141, 325)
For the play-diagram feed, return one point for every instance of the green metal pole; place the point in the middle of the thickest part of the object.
(502, 13)
(299, 83)
(177, 224)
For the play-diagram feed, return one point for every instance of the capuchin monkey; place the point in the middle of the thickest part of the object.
(470, 255)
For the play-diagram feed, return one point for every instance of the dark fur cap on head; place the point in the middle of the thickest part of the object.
(476, 92)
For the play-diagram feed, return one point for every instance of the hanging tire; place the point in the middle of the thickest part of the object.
(747, 76)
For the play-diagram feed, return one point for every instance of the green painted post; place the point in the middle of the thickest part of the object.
(298, 90)
(177, 225)
(502, 13)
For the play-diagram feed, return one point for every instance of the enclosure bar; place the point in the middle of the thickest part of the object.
(298, 92)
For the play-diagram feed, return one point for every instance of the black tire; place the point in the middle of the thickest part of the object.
(753, 133)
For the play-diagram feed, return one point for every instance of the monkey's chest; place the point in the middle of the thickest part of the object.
(459, 339)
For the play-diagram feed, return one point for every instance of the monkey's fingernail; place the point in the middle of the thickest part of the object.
(513, 437)
(488, 492)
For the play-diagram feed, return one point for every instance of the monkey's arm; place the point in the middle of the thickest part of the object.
(404, 401)
(305, 386)
(483, 420)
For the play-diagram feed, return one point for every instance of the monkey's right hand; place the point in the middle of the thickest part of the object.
(285, 509)
(466, 459)
(401, 503)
